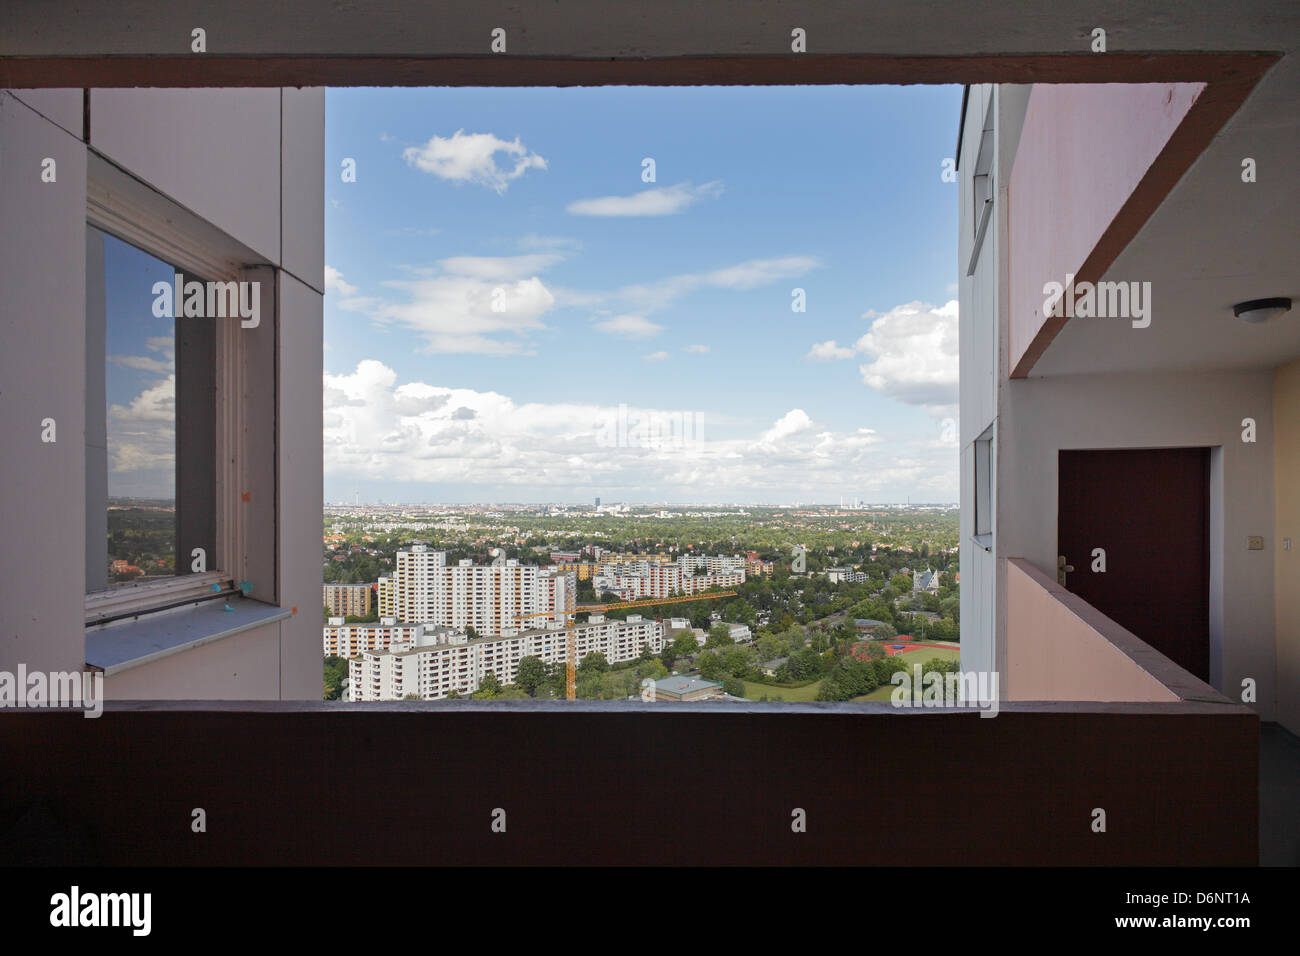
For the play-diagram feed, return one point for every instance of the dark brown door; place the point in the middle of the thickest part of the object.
(1149, 509)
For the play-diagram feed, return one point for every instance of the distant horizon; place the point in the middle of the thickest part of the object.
(652, 504)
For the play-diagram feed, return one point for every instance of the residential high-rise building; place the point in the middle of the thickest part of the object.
(494, 599)
(386, 597)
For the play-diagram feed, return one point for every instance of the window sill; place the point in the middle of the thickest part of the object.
(131, 644)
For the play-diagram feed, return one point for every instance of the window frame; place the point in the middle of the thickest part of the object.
(130, 210)
(982, 471)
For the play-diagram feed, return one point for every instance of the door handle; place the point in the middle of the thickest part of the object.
(1062, 569)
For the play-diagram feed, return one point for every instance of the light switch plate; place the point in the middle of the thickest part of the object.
(1255, 542)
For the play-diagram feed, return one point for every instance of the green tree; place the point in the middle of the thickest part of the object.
(489, 688)
(336, 671)
(733, 686)
(652, 668)
(719, 636)
(593, 662)
(685, 645)
(530, 675)
(711, 665)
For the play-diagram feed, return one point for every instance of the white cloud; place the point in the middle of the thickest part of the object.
(464, 441)
(696, 349)
(828, 352)
(334, 282)
(499, 267)
(630, 327)
(791, 423)
(914, 355)
(469, 304)
(472, 158)
(535, 243)
(157, 403)
(759, 272)
(656, 356)
(143, 363)
(142, 442)
(653, 296)
(661, 201)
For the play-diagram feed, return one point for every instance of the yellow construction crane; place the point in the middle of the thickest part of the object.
(570, 629)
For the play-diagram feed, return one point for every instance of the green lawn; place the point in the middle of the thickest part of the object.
(754, 691)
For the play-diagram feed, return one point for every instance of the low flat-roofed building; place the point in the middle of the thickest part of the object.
(684, 687)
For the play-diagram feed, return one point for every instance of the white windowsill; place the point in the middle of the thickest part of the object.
(130, 644)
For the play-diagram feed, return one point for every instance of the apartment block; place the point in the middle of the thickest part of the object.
(495, 599)
(649, 580)
(347, 600)
(349, 640)
(386, 598)
(714, 564)
(435, 662)
(582, 569)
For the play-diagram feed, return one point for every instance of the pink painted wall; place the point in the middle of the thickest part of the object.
(1060, 648)
(1083, 150)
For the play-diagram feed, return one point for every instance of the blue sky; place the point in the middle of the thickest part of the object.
(671, 298)
(139, 374)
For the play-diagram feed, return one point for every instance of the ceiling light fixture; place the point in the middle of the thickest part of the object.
(1261, 310)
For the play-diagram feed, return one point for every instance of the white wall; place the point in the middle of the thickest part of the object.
(42, 375)
(216, 152)
(301, 486)
(983, 363)
(977, 313)
(1040, 416)
(244, 666)
(224, 155)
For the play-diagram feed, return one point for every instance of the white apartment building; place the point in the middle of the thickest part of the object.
(713, 563)
(347, 600)
(349, 640)
(740, 633)
(495, 600)
(644, 579)
(432, 663)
